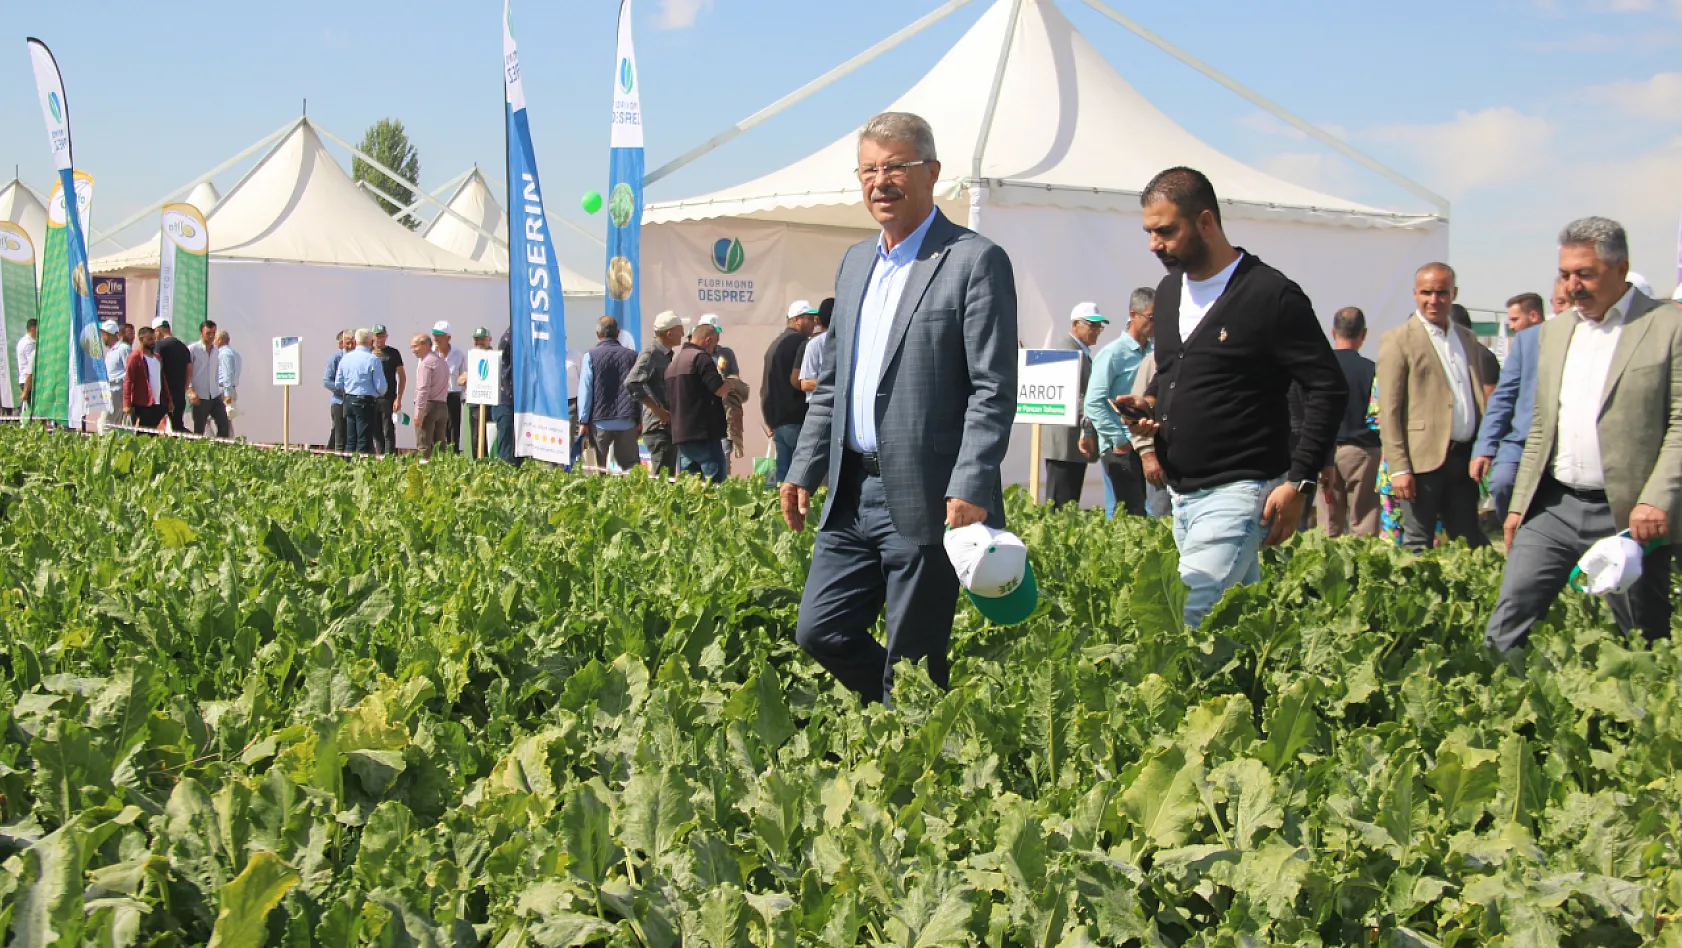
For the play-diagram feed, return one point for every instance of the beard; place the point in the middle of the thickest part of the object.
(1192, 255)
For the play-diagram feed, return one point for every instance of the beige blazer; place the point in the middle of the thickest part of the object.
(1640, 413)
(1415, 405)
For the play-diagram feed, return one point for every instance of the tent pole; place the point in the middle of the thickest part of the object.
(132, 219)
(382, 169)
(437, 192)
(806, 90)
(993, 93)
(1302, 125)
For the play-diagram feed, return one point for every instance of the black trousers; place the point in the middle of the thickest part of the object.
(178, 413)
(1127, 481)
(1447, 495)
(662, 455)
(1064, 481)
(452, 427)
(148, 416)
(860, 564)
(362, 422)
(384, 434)
(211, 409)
(336, 436)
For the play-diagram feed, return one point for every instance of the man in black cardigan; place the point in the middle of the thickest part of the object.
(1232, 334)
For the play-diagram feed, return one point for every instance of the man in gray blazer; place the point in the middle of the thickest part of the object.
(1605, 448)
(909, 422)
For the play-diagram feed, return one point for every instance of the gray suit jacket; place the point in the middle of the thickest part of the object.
(947, 395)
(1640, 413)
(1060, 443)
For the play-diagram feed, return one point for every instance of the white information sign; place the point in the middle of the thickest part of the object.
(288, 360)
(1048, 387)
(484, 376)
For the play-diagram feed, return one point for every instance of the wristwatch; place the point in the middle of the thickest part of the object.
(1305, 488)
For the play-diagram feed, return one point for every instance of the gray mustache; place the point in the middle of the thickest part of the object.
(879, 194)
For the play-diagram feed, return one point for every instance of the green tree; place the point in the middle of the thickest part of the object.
(387, 142)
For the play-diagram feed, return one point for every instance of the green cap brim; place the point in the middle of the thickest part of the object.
(1013, 607)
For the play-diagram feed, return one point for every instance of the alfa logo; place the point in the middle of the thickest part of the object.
(627, 77)
(8, 242)
(728, 255)
(52, 103)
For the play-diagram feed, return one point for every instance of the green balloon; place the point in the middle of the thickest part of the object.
(592, 201)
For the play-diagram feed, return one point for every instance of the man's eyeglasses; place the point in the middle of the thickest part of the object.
(893, 171)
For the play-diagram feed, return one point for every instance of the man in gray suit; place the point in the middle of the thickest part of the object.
(1068, 450)
(910, 419)
(1605, 448)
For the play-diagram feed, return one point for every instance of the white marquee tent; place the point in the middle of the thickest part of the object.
(296, 250)
(20, 205)
(1070, 144)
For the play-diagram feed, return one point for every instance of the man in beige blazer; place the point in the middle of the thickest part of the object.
(1605, 448)
(1430, 399)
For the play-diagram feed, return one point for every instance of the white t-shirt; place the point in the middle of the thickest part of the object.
(154, 378)
(575, 365)
(26, 357)
(1198, 296)
(457, 361)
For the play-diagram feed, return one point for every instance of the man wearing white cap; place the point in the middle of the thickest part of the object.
(647, 384)
(1604, 454)
(456, 360)
(116, 363)
(1068, 450)
(782, 404)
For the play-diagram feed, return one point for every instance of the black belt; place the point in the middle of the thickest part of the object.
(1586, 496)
(868, 462)
(361, 398)
(1462, 445)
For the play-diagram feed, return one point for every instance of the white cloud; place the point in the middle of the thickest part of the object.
(1266, 124)
(1474, 149)
(1658, 99)
(1319, 171)
(680, 14)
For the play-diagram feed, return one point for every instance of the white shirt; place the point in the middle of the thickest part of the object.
(457, 361)
(116, 362)
(1452, 355)
(1197, 297)
(575, 368)
(876, 320)
(26, 357)
(1582, 389)
(155, 378)
(202, 375)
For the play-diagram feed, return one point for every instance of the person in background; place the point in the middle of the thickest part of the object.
(177, 362)
(1349, 484)
(647, 384)
(456, 359)
(1604, 453)
(719, 349)
(1157, 501)
(128, 334)
(1431, 392)
(229, 365)
(1068, 450)
(1232, 334)
(503, 413)
(204, 387)
(479, 416)
(735, 397)
(811, 364)
(342, 343)
(695, 389)
(1560, 301)
(782, 404)
(116, 365)
(396, 380)
(361, 378)
(1489, 367)
(1113, 372)
(607, 413)
(432, 391)
(1507, 415)
(145, 396)
(26, 364)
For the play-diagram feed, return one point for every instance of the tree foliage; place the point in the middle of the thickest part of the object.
(387, 142)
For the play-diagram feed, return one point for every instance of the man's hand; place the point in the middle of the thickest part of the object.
(1403, 487)
(192, 397)
(1152, 468)
(664, 416)
(1282, 513)
(1088, 447)
(1145, 427)
(583, 431)
(962, 513)
(1508, 529)
(1328, 477)
(1480, 468)
(797, 501)
(1647, 522)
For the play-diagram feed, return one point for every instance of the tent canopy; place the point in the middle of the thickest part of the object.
(474, 200)
(203, 196)
(297, 205)
(20, 206)
(1068, 131)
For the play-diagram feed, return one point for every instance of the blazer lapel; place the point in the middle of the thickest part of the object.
(929, 258)
(1629, 343)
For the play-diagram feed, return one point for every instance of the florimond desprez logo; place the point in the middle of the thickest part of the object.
(627, 76)
(52, 103)
(484, 369)
(728, 255)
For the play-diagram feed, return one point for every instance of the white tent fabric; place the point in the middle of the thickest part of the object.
(474, 200)
(1071, 145)
(19, 205)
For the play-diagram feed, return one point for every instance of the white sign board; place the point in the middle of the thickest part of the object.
(484, 376)
(288, 360)
(1048, 387)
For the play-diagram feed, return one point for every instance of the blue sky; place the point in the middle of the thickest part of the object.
(1525, 113)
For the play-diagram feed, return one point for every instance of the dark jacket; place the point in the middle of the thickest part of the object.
(1062, 442)
(692, 384)
(610, 362)
(1222, 394)
(647, 379)
(505, 388)
(137, 383)
(780, 402)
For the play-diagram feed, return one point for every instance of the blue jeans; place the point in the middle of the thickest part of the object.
(1219, 532)
(787, 438)
(503, 417)
(705, 458)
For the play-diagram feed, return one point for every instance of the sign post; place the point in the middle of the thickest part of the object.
(288, 366)
(484, 377)
(1047, 393)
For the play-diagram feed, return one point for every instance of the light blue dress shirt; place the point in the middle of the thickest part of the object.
(1112, 374)
(586, 376)
(870, 341)
(360, 373)
(330, 378)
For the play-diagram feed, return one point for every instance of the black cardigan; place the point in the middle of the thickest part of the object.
(1221, 396)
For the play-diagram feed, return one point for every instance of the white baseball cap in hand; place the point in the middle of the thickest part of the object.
(1609, 567)
(992, 566)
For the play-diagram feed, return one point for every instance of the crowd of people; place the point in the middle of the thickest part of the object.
(366, 378)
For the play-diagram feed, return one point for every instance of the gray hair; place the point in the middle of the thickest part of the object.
(1607, 237)
(1142, 299)
(364, 337)
(902, 127)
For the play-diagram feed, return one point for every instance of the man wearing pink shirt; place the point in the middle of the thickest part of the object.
(432, 392)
